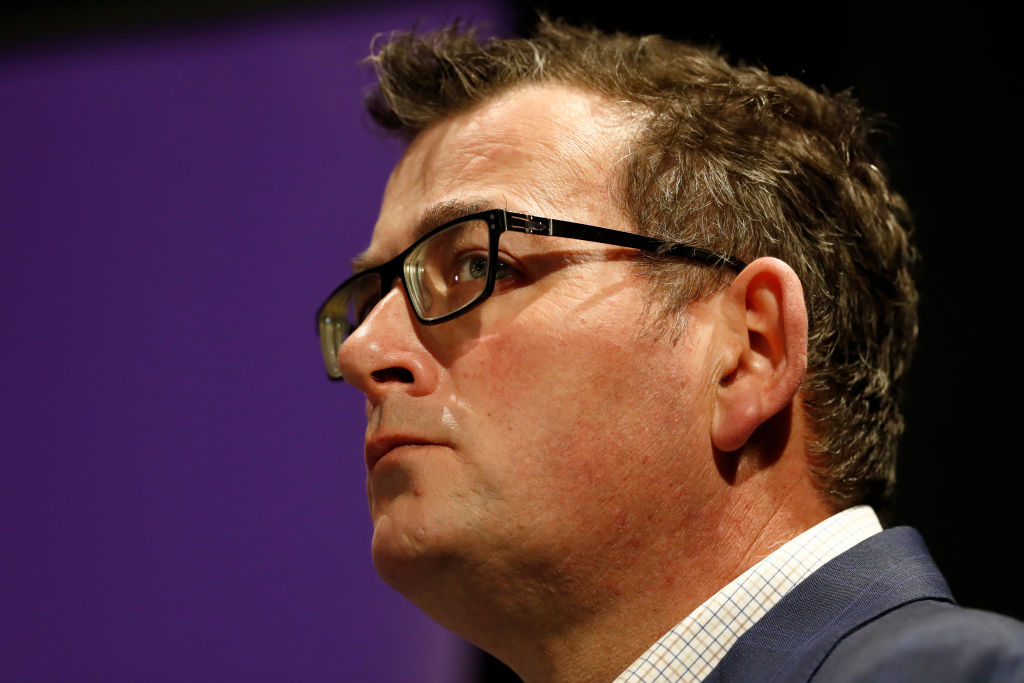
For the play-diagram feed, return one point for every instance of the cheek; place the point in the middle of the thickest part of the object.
(586, 424)
(555, 381)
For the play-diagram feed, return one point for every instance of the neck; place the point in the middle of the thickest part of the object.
(593, 630)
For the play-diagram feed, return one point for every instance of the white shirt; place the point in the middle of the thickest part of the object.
(697, 644)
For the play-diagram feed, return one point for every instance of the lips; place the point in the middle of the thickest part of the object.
(380, 445)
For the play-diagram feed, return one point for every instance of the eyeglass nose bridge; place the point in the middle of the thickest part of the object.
(386, 275)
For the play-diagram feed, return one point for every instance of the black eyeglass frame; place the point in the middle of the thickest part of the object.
(500, 221)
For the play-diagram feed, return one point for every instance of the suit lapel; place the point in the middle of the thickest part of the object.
(877, 575)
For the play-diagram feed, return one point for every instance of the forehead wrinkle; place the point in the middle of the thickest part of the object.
(579, 162)
(433, 217)
(582, 142)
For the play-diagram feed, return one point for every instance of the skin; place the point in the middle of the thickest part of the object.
(544, 478)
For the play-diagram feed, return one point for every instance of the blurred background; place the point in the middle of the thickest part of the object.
(181, 183)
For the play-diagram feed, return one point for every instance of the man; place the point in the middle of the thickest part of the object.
(630, 328)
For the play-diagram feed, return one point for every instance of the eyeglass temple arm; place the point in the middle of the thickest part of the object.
(556, 228)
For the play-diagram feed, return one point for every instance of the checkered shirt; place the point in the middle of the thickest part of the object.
(697, 644)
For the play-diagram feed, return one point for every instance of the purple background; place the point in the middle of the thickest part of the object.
(182, 490)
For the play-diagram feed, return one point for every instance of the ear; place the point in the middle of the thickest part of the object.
(762, 342)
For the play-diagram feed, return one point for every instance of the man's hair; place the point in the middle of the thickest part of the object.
(735, 160)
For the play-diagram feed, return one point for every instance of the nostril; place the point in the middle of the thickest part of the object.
(392, 375)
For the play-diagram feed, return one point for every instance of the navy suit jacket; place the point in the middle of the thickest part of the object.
(879, 612)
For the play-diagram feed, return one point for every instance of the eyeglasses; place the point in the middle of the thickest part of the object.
(453, 268)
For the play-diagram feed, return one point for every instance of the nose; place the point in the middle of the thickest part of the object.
(385, 354)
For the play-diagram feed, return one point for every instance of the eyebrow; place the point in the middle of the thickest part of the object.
(433, 217)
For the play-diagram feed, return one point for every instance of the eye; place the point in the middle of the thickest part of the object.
(473, 266)
(470, 267)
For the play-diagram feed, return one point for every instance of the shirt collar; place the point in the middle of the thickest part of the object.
(693, 648)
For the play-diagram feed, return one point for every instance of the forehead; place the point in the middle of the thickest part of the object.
(547, 150)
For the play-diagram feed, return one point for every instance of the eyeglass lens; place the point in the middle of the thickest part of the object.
(443, 274)
(343, 313)
(448, 271)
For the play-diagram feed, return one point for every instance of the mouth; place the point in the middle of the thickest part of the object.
(378, 447)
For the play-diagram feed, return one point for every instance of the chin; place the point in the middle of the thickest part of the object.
(406, 555)
(440, 579)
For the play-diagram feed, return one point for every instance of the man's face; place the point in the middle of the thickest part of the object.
(543, 434)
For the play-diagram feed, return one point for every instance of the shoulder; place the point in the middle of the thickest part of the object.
(881, 611)
(929, 640)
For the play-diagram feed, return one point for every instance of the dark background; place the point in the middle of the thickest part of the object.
(947, 81)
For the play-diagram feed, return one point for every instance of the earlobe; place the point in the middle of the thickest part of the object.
(762, 336)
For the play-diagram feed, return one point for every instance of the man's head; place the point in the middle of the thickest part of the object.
(611, 413)
(737, 161)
